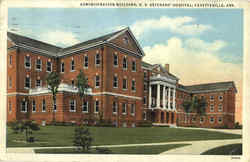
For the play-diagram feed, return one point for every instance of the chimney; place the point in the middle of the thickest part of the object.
(167, 67)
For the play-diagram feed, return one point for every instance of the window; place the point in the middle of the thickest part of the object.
(39, 64)
(132, 111)
(211, 119)
(219, 119)
(24, 106)
(124, 108)
(10, 60)
(220, 107)
(211, 107)
(73, 65)
(27, 62)
(145, 86)
(55, 107)
(27, 82)
(72, 105)
(124, 84)
(115, 82)
(97, 59)
(125, 63)
(10, 82)
(72, 83)
(133, 66)
(220, 98)
(115, 107)
(97, 81)
(145, 75)
(115, 60)
(211, 98)
(86, 61)
(97, 105)
(125, 40)
(62, 67)
(144, 116)
(38, 83)
(201, 119)
(33, 106)
(171, 105)
(144, 100)
(133, 87)
(49, 66)
(85, 107)
(10, 106)
(44, 106)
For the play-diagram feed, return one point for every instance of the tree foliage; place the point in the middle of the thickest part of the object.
(25, 126)
(81, 83)
(82, 138)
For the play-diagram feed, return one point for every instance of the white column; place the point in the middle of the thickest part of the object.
(174, 99)
(150, 96)
(169, 89)
(164, 97)
(158, 96)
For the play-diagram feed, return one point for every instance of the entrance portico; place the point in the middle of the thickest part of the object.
(162, 94)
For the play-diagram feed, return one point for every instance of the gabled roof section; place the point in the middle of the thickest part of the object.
(23, 41)
(219, 86)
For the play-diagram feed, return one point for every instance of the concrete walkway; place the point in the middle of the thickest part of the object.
(231, 131)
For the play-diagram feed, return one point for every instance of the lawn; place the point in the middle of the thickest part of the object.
(63, 136)
(232, 149)
(146, 150)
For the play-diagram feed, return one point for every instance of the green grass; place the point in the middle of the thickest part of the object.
(148, 150)
(63, 136)
(232, 149)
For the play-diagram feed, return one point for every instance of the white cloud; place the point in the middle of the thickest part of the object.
(182, 25)
(193, 66)
(58, 37)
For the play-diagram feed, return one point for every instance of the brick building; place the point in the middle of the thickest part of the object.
(123, 88)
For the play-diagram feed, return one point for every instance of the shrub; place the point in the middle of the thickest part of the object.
(62, 124)
(237, 125)
(144, 124)
(82, 139)
(105, 123)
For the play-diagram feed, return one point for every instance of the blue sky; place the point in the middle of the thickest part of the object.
(84, 24)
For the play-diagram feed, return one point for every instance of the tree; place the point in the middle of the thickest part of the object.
(27, 126)
(82, 138)
(187, 107)
(53, 81)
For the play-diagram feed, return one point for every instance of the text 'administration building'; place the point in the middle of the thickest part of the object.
(124, 89)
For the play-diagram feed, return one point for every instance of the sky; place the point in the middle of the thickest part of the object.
(201, 45)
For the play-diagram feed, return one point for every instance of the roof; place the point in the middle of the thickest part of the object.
(25, 41)
(218, 86)
(52, 50)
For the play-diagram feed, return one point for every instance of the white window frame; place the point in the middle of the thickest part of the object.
(144, 115)
(211, 110)
(145, 75)
(85, 62)
(29, 83)
(115, 76)
(132, 110)
(85, 105)
(193, 120)
(51, 66)
(210, 119)
(43, 105)
(145, 100)
(97, 101)
(220, 98)
(201, 119)
(145, 86)
(98, 54)
(133, 65)
(114, 107)
(97, 81)
(25, 61)
(115, 60)
(40, 83)
(124, 104)
(74, 105)
(126, 85)
(39, 69)
(220, 117)
(211, 98)
(126, 63)
(33, 106)
(25, 106)
(72, 65)
(62, 67)
(133, 88)
(220, 105)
